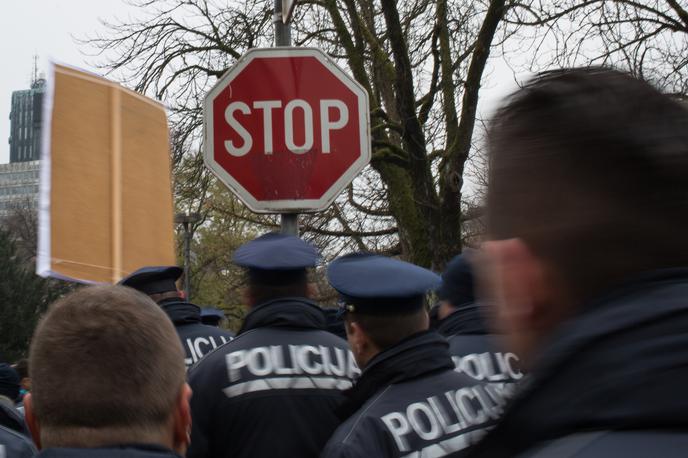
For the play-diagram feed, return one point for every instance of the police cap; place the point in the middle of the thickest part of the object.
(457, 281)
(153, 279)
(373, 284)
(276, 258)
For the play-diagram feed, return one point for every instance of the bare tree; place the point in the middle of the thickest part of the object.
(421, 61)
(649, 38)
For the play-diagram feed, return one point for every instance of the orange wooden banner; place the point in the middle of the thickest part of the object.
(105, 205)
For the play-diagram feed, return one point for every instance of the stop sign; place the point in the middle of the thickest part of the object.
(286, 129)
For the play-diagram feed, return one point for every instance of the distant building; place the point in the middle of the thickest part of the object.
(18, 187)
(26, 121)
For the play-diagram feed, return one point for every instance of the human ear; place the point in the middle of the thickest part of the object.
(31, 420)
(182, 420)
(360, 344)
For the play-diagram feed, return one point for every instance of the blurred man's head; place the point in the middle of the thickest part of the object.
(588, 187)
(107, 368)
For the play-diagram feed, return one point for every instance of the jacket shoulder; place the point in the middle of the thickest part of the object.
(358, 433)
(629, 444)
(15, 445)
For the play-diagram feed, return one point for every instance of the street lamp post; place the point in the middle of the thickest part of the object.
(186, 220)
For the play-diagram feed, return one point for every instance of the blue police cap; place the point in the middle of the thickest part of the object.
(276, 258)
(373, 284)
(457, 281)
(153, 279)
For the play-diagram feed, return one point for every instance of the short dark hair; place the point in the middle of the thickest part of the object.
(262, 292)
(106, 364)
(385, 331)
(589, 167)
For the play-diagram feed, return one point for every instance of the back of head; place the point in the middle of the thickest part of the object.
(276, 266)
(107, 367)
(386, 331)
(589, 167)
(457, 281)
(382, 297)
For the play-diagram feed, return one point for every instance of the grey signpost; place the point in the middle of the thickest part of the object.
(289, 222)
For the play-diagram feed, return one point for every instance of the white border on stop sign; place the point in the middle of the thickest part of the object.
(282, 206)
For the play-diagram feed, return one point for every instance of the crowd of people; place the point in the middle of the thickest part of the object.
(562, 335)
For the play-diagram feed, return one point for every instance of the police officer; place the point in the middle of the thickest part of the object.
(409, 400)
(159, 283)
(273, 390)
(461, 320)
(108, 379)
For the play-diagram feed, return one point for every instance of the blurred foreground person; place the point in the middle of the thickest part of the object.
(14, 437)
(461, 321)
(588, 217)
(273, 390)
(409, 400)
(160, 283)
(107, 378)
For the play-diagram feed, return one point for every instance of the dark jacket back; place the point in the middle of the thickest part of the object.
(197, 339)
(273, 390)
(618, 370)
(415, 405)
(476, 353)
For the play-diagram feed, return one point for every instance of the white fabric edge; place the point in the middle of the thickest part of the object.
(44, 254)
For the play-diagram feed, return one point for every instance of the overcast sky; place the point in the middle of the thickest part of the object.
(46, 28)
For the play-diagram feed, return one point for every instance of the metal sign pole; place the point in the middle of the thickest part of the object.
(289, 222)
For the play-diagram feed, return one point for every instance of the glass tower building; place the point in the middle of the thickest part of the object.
(25, 123)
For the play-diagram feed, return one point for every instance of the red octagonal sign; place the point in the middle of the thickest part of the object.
(286, 129)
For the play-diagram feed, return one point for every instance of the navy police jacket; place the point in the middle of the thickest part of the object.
(409, 401)
(14, 435)
(116, 451)
(611, 381)
(475, 353)
(273, 390)
(197, 339)
(15, 445)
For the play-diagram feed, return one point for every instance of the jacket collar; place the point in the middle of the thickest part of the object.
(291, 312)
(421, 354)
(620, 364)
(181, 312)
(466, 319)
(11, 418)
